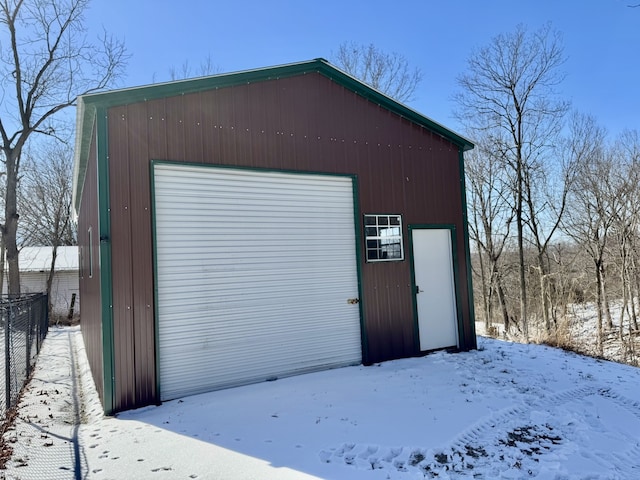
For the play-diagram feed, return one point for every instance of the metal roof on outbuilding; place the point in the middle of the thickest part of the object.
(38, 259)
(88, 104)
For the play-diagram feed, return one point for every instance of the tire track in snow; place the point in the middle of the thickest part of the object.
(632, 406)
(500, 430)
(483, 426)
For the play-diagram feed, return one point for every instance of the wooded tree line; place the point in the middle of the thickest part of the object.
(553, 203)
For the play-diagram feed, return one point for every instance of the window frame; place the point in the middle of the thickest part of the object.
(383, 221)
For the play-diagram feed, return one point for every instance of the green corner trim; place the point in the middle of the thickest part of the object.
(456, 282)
(414, 300)
(364, 337)
(106, 287)
(154, 253)
(473, 342)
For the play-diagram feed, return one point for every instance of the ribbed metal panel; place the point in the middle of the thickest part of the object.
(254, 270)
(90, 287)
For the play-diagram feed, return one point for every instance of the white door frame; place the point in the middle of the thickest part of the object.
(435, 297)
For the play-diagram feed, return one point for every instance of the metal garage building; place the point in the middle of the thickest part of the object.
(254, 225)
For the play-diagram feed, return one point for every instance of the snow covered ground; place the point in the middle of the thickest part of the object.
(504, 411)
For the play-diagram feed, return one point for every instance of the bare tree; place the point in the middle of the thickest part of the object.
(46, 63)
(628, 146)
(626, 223)
(388, 72)
(186, 70)
(45, 201)
(594, 203)
(509, 93)
(546, 188)
(45, 197)
(489, 227)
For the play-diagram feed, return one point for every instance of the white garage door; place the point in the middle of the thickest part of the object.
(254, 271)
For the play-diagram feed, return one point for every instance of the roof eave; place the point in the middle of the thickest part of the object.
(393, 105)
(85, 118)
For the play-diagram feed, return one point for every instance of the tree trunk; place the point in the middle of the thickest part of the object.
(605, 297)
(52, 269)
(633, 292)
(624, 287)
(503, 304)
(625, 278)
(2, 261)
(632, 346)
(520, 224)
(634, 314)
(625, 306)
(58, 226)
(599, 295)
(10, 230)
(485, 289)
(544, 299)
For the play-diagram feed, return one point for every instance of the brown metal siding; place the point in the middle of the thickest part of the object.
(132, 268)
(305, 123)
(90, 306)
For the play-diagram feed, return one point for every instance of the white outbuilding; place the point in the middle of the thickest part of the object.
(35, 263)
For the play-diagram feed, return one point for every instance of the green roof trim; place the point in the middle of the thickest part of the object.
(88, 104)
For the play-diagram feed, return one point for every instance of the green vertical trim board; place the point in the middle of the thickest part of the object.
(462, 338)
(357, 224)
(154, 253)
(473, 343)
(106, 288)
(414, 300)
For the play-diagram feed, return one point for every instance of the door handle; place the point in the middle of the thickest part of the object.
(418, 290)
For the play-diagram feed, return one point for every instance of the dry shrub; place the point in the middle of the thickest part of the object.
(561, 337)
(493, 331)
(64, 320)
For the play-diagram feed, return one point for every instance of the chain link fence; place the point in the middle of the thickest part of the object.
(23, 325)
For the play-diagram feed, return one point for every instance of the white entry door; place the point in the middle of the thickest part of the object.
(435, 288)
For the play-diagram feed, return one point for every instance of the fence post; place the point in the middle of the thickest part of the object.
(7, 356)
(39, 326)
(28, 334)
(44, 325)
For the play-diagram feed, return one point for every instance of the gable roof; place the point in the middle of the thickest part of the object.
(88, 104)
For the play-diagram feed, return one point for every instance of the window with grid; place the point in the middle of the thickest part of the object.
(383, 238)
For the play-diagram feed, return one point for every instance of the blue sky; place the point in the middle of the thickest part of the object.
(601, 40)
